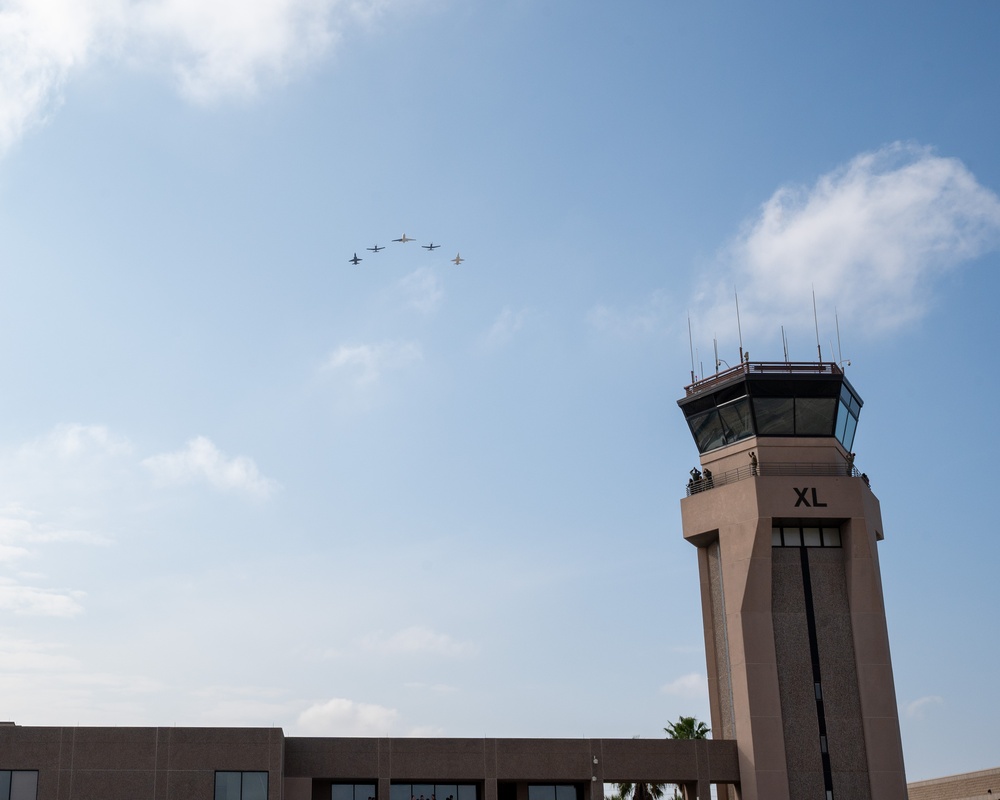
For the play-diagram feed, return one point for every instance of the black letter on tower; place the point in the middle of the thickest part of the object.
(801, 501)
(816, 502)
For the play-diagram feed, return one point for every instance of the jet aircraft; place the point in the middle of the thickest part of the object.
(430, 246)
(355, 260)
(403, 239)
(376, 248)
(458, 259)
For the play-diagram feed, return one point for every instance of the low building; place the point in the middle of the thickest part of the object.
(39, 763)
(981, 785)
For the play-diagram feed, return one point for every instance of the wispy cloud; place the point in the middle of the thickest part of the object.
(212, 48)
(919, 707)
(19, 599)
(343, 717)
(200, 460)
(365, 363)
(693, 684)
(873, 237)
(74, 441)
(421, 290)
(417, 640)
(504, 328)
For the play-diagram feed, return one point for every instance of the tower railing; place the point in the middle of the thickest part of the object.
(770, 470)
(765, 368)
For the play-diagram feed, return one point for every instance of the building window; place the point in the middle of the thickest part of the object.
(553, 792)
(796, 536)
(353, 791)
(18, 784)
(240, 786)
(431, 791)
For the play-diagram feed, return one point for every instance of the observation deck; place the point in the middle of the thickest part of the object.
(771, 399)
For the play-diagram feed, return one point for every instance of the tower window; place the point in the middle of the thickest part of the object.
(796, 536)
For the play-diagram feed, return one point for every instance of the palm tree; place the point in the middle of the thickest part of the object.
(684, 728)
(638, 791)
(687, 728)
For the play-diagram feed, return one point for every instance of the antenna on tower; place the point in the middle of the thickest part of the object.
(715, 341)
(840, 353)
(819, 350)
(784, 343)
(691, 345)
(739, 327)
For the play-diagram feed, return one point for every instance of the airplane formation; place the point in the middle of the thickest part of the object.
(431, 247)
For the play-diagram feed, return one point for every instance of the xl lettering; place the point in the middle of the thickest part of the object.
(801, 498)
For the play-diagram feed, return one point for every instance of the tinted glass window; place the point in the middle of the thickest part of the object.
(227, 785)
(254, 786)
(775, 415)
(842, 416)
(848, 440)
(364, 791)
(707, 431)
(467, 792)
(23, 784)
(5, 784)
(814, 416)
(736, 422)
(541, 793)
(399, 791)
(565, 793)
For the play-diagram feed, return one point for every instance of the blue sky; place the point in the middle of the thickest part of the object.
(244, 482)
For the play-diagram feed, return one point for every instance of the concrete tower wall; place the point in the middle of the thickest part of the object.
(781, 619)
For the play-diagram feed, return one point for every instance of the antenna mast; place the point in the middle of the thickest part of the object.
(739, 327)
(819, 350)
(691, 346)
(840, 352)
(784, 343)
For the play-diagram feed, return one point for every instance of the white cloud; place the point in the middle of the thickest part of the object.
(213, 48)
(367, 362)
(691, 685)
(918, 707)
(872, 237)
(342, 717)
(41, 43)
(33, 601)
(417, 640)
(422, 290)
(201, 460)
(507, 323)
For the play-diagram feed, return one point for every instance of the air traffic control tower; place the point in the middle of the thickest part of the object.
(795, 632)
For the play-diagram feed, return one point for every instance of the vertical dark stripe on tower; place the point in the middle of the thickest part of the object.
(817, 677)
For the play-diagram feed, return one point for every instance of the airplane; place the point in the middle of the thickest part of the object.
(355, 260)
(404, 239)
(376, 248)
(458, 259)
(430, 246)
